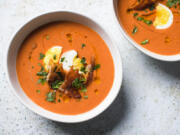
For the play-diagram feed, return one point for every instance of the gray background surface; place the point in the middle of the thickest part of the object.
(149, 101)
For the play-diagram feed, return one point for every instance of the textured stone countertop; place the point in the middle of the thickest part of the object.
(149, 100)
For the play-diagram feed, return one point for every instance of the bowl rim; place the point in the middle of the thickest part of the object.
(69, 118)
(167, 58)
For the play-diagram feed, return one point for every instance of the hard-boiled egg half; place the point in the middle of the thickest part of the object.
(164, 17)
(52, 54)
(69, 59)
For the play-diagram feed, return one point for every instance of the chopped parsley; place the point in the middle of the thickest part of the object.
(171, 3)
(145, 42)
(84, 90)
(62, 59)
(41, 56)
(85, 97)
(135, 14)
(56, 84)
(134, 30)
(51, 97)
(82, 79)
(42, 69)
(42, 73)
(148, 22)
(140, 18)
(83, 45)
(83, 69)
(41, 80)
(54, 57)
(83, 60)
(78, 83)
(97, 66)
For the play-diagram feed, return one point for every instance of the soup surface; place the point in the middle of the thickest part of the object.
(153, 24)
(71, 47)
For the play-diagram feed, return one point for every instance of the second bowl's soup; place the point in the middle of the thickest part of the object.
(154, 27)
(50, 44)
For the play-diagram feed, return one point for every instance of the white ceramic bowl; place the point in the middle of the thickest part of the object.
(33, 24)
(170, 58)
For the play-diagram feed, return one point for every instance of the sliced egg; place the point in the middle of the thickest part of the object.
(67, 59)
(52, 54)
(164, 17)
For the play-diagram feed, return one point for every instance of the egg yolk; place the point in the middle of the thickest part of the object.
(162, 16)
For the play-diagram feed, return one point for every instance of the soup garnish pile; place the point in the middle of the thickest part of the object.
(65, 67)
(154, 24)
(66, 73)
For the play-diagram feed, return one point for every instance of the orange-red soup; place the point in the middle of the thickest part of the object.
(38, 42)
(164, 42)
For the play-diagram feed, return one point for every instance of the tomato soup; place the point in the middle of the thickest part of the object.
(64, 40)
(153, 24)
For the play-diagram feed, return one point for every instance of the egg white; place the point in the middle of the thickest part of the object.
(68, 57)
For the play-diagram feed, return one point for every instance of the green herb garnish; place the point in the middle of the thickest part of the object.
(51, 97)
(97, 66)
(59, 100)
(41, 56)
(54, 57)
(134, 30)
(82, 79)
(42, 68)
(135, 14)
(83, 45)
(83, 69)
(62, 59)
(145, 42)
(171, 3)
(78, 83)
(41, 80)
(148, 22)
(42, 73)
(83, 60)
(84, 90)
(56, 84)
(85, 97)
(38, 91)
(140, 18)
